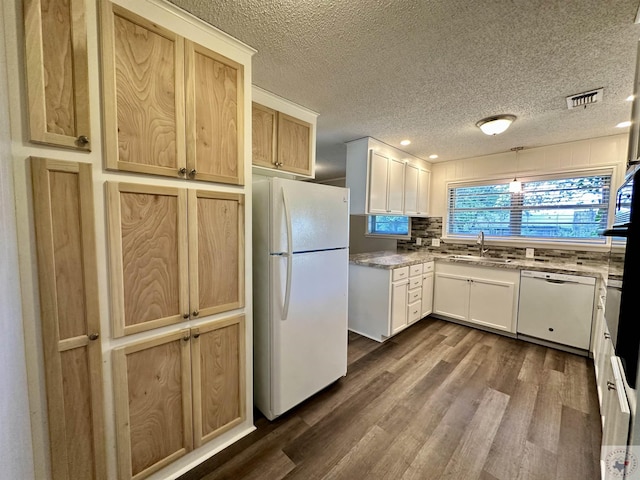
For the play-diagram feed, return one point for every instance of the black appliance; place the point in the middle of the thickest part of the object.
(627, 224)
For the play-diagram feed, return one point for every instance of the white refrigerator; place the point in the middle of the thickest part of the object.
(300, 284)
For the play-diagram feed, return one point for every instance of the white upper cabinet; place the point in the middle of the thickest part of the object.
(386, 181)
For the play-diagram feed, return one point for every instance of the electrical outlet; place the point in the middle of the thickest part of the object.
(529, 252)
(419, 241)
(435, 242)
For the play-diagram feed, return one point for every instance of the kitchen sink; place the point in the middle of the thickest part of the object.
(475, 258)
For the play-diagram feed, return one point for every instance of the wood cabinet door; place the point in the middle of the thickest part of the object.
(395, 205)
(148, 256)
(152, 393)
(491, 304)
(294, 144)
(214, 116)
(218, 363)
(57, 72)
(143, 87)
(451, 296)
(411, 173)
(216, 252)
(398, 312)
(423, 192)
(263, 135)
(378, 183)
(70, 316)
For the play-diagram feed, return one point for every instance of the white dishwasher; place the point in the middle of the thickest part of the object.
(556, 307)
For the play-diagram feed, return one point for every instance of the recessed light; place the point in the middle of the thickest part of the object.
(623, 124)
(433, 157)
(405, 142)
(629, 98)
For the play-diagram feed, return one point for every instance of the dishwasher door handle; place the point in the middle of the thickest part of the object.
(560, 282)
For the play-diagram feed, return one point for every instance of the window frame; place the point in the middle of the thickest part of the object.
(368, 233)
(560, 242)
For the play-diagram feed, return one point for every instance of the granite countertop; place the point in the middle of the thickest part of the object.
(389, 260)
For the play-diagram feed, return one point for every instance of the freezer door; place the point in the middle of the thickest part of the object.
(317, 216)
(309, 346)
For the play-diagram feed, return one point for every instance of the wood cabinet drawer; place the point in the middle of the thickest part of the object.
(415, 270)
(413, 311)
(427, 267)
(414, 295)
(400, 273)
(415, 282)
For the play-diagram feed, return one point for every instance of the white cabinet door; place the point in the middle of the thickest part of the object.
(423, 192)
(395, 203)
(378, 183)
(491, 303)
(451, 296)
(616, 419)
(398, 306)
(427, 294)
(411, 174)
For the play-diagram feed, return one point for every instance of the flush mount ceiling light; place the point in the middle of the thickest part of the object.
(496, 124)
(433, 157)
(624, 124)
(404, 143)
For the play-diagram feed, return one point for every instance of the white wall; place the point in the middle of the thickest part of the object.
(15, 429)
(593, 153)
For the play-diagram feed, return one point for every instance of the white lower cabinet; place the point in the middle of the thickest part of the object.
(383, 302)
(480, 295)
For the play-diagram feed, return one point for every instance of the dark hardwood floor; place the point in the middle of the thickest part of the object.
(437, 401)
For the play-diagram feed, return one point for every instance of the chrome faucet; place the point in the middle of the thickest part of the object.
(480, 241)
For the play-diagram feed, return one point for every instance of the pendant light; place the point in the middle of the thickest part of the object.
(515, 186)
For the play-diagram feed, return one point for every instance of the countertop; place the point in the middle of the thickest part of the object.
(389, 260)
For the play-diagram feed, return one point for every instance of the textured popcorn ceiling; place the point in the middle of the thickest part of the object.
(428, 70)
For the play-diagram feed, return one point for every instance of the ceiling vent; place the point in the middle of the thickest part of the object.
(585, 99)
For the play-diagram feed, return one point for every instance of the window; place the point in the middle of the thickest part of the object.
(572, 208)
(389, 226)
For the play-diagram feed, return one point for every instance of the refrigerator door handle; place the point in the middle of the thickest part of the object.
(289, 255)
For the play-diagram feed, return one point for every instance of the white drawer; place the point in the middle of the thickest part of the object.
(414, 295)
(400, 273)
(415, 282)
(415, 270)
(427, 267)
(413, 311)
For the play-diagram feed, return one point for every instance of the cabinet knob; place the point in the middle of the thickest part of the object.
(196, 335)
(186, 337)
(611, 385)
(185, 316)
(195, 313)
(182, 171)
(94, 336)
(193, 173)
(83, 140)
(607, 336)
(550, 329)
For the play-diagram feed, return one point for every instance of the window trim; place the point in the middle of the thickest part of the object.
(546, 242)
(367, 233)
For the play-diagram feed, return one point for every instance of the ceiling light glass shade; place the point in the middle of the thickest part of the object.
(495, 125)
(624, 124)
(405, 142)
(515, 186)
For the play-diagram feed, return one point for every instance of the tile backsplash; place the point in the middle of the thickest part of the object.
(429, 228)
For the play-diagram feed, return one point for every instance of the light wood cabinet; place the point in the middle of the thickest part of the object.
(176, 392)
(175, 254)
(70, 315)
(172, 107)
(484, 296)
(57, 72)
(282, 141)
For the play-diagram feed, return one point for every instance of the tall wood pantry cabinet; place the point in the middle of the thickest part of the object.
(63, 214)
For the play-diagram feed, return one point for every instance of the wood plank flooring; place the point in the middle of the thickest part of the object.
(437, 401)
